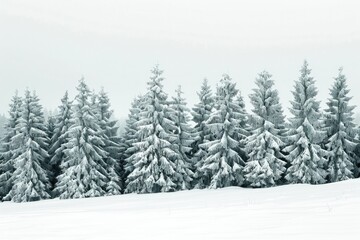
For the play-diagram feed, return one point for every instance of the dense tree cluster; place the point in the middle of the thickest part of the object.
(165, 147)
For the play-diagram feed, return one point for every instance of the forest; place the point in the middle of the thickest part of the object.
(167, 146)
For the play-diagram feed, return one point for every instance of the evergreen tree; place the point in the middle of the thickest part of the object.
(201, 113)
(341, 131)
(30, 180)
(265, 167)
(50, 129)
(306, 133)
(60, 136)
(83, 172)
(155, 160)
(112, 145)
(131, 134)
(180, 115)
(10, 149)
(223, 161)
(243, 128)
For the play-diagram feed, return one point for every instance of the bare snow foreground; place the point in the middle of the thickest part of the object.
(290, 212)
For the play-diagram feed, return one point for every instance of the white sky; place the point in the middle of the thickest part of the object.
(48, 45)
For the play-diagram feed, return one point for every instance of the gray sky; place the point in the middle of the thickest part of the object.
(48, 45)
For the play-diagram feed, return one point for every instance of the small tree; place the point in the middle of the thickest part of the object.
(131, 135)
(180, 115)
(112, 145)
(60, 136)
(201, 114)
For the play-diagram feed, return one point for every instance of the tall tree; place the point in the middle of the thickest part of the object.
(265, 166)
(223, 161)
(10, 149)
(83, 173)
(155, 159)
(341, 131)
(30, 180)
(201, 114)
(306, 133)
(60, 136)
(112, 145)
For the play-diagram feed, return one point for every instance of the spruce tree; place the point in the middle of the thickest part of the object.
(265, 166)
(30, 180)
(50, 126)
(306, 133)
(112, 145)
(155, 160)
(341, 131)
(201, 113)
(243, 128)
(83, 173)
(180, 115)
(131, 134)
(223, 161)
(10, 149)
(60, 136)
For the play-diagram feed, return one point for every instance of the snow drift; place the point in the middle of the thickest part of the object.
(290, 212)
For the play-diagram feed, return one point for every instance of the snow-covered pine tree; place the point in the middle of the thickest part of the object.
(114, 165)
(201, 113)
(30, 180)
(306, 133)
(131, 134)
(83, 173)
(265, 166)
(340, 126)
(50, 128)
(180, 115)
(60, 136)
(10, 149)
(154, 161)
(50, 123)
(223, 161)
(242, 131)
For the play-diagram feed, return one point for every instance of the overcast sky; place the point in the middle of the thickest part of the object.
(48, 45)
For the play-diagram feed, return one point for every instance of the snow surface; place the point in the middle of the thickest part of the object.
(329, 211)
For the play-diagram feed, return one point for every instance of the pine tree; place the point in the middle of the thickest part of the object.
(264, 167)
(155, 168)
(112, 145)
(340, 126)
(306, 133)
(243, 128)
(83, 174)
(60, 136)
(10, 149)
(223, 161)
(50, 126)
(131, 134)
(30, 180)
(180, 115)
(201, 114)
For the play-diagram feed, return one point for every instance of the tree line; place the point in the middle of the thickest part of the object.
(166, 147)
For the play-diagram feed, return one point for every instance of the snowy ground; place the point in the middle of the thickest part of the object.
(291, 212)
